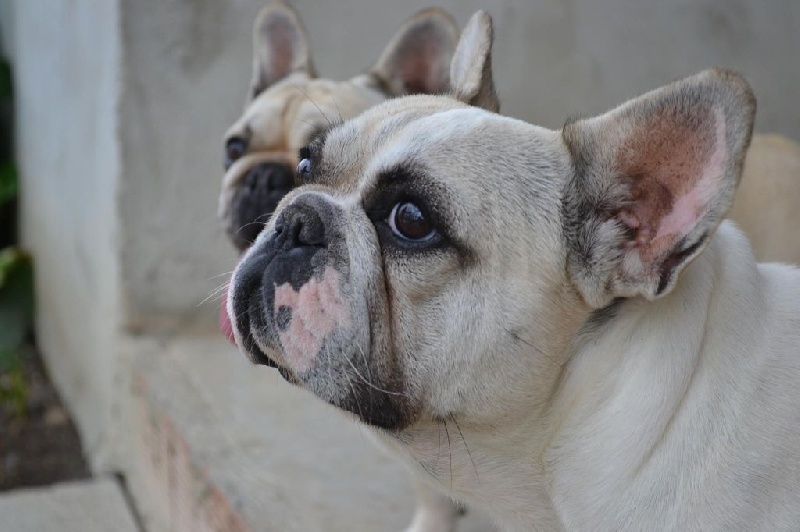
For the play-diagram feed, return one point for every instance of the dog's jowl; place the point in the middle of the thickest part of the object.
(296, 276)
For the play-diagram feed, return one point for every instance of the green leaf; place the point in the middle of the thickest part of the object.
(6, 86)
(10, 360)
(8, 181)
(14, 391)
(16, 299)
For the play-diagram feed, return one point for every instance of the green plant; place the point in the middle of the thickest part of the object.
(16, 270)
(16, 299)
(14, 392)
(16, 320)
(6, 86)
(8, 182)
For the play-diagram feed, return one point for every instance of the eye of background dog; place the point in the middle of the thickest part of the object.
(234, 149)
(408, 221)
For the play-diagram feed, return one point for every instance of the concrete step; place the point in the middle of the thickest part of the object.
(87, 506)
(222, 445)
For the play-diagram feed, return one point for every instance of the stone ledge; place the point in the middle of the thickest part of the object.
(69, 507)
(222, 445)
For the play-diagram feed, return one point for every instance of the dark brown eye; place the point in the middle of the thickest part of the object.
(234, 149)
(409, 222)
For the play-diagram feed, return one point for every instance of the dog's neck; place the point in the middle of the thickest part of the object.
(640, 390)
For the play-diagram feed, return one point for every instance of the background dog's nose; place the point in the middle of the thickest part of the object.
(256, 198)
(268, 177)
(301, 225)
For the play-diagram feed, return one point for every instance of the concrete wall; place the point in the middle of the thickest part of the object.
(122, 105)
(185, 61)
(66, 64)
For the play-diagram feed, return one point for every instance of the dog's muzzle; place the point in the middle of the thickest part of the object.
(296, 252)
(255, 199)
(298, 304)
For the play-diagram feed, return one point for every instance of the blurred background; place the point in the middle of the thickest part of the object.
(115, 134)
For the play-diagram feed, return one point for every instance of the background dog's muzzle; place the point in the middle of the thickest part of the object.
(255, 199)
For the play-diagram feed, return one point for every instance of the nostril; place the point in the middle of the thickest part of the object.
(297, 229)
(301, 227)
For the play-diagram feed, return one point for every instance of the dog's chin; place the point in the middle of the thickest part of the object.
(375, 410)
(369, 403)
(250, 347)
(261, 357)
(258, 356)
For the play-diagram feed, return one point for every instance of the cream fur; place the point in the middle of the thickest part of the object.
(613, 436)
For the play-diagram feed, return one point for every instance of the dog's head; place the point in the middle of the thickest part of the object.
(287, 105)
(439, 259)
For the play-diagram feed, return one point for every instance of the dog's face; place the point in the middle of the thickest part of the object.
(389, 285)
(440, 259)
(261, 148)
(287, 105)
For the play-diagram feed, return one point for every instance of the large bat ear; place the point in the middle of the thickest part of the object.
(651, 181)
(280, 47)
(471, 69)
(417, 59)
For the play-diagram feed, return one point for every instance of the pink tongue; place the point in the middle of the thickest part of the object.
(225, 324)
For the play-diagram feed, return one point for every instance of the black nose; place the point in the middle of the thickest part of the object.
(301, 224)
(256, 198)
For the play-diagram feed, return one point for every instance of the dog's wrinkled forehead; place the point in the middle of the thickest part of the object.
(290, 112)
(396, 132)
(444, 155)
(441, 137)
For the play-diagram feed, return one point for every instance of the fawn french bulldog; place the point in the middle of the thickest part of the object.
(288, 104)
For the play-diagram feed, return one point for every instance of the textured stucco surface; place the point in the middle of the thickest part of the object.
(66, 60)
(96, 505)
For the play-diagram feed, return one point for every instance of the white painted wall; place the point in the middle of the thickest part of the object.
(120, 131)
(66, 65)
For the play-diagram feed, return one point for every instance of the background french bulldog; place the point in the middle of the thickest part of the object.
(767, 206)
(287, 104)
(564, 301)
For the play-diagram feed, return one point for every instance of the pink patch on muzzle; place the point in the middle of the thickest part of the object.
(317, 309)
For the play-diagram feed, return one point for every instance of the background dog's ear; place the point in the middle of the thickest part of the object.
(417, 59)
(652, 180)
(280, 46)
(471, 69)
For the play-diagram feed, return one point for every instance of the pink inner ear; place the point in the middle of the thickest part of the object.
(675, 167)
(282, 37)
(421, 69)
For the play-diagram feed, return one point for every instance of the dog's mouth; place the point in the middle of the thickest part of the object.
(251, 347)
(256, 195)
(227, 328)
